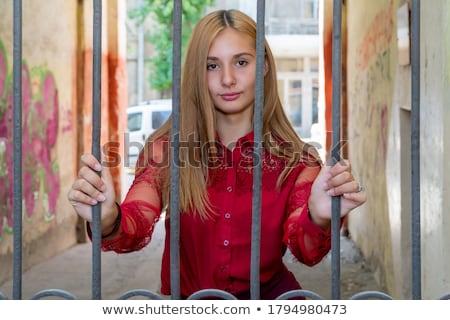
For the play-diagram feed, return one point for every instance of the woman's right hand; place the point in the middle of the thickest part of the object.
(94, 184)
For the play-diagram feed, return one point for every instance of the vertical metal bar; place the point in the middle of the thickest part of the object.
(175, 155)
(336, 149)
(140, 59)
(17, 151)
(257, 173)
(96, 132)
(415, 149)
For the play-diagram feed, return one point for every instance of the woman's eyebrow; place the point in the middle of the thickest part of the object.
(238, 55)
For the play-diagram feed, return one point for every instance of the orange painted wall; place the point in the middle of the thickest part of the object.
(328, 76)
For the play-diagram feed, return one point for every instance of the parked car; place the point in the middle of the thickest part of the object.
(143, 119)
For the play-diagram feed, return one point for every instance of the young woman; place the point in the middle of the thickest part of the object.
(216, 175)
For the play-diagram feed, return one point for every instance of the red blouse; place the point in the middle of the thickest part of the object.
(215, 253)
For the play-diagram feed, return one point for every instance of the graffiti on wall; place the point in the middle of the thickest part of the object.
(378, 38)
(372, 86)
(40, 183)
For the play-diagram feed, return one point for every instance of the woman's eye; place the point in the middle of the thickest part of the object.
(211, 66)
(242, 63)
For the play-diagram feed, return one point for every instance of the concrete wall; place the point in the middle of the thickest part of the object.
(435, 147)
(370, 66)
(379, 100)
(57, 55)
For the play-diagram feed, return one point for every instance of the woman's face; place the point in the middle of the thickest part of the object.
(231, 70)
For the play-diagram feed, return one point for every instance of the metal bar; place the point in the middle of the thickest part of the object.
(415, 149)
(175, 154)
(336, 148)
(53, 293)
(140, 59)
(17, 151)
(96, 132)
(257, 173)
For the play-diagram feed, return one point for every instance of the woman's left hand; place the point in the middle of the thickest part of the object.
(336, 180)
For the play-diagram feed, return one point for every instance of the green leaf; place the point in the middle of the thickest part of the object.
(161, 11)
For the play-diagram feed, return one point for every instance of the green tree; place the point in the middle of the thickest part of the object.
(161, 35)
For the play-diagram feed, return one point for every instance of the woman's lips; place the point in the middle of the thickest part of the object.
(230, 96)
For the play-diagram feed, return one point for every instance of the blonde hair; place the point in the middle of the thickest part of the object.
(198, 121)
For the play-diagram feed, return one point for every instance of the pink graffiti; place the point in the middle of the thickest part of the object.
(378, 37)
(39, 135)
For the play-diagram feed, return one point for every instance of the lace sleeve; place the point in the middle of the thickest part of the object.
(308, 242)
(142, 206)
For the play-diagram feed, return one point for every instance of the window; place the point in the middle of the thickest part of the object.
(134, 121)
(292, 17)
(314, 64)
(290, 65)
(315, 102)
(158, 118)
(295, 102)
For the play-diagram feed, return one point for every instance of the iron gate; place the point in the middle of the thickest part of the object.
(175, 221)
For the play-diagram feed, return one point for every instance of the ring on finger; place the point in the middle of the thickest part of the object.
(360, 187)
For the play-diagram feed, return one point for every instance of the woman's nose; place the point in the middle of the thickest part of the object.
(228, 77)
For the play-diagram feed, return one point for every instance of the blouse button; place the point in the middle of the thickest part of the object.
(227, 215)
(226, 243)
(229, 188)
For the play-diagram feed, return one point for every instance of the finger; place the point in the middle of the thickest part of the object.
(87, 189)
(107, 176)
(92, 177)
(356, 197)
(108, 190)
(340, 167)
(348, 187)
(344, 178)
(321, 180)
(78, 197)
(92, 162)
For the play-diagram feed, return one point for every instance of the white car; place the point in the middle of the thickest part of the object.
(143, 119)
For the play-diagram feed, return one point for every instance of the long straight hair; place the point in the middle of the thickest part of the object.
(198, 116)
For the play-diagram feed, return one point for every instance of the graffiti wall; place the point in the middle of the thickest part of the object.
(379, 102)
(57, 118)
(39, 136)
(371, 75)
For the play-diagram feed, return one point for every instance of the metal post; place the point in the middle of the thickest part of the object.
(96, 132)
(140, 59)
(17, 139)
(175, 155)
(336, 148)
(257, 173)
(415, 149)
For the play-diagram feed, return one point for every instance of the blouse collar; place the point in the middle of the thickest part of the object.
(244, 140)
